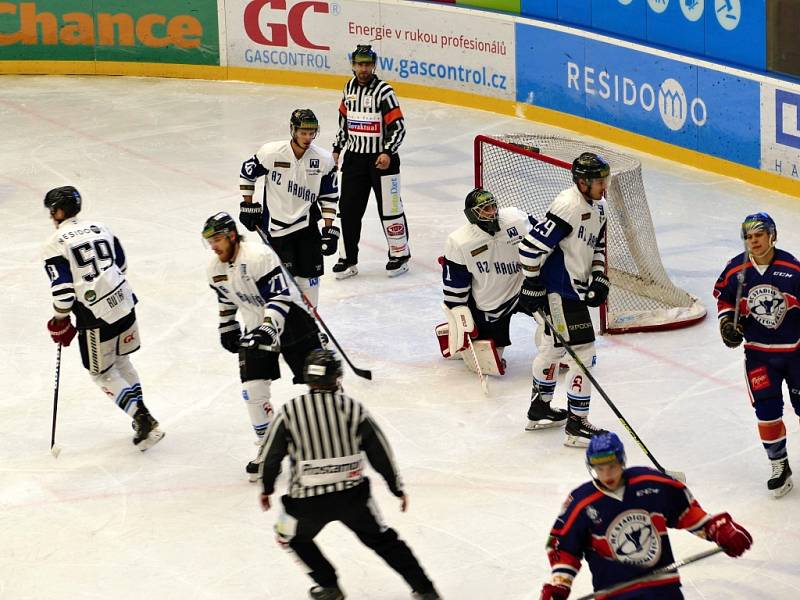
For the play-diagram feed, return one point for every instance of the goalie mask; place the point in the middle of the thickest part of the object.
(589, 166)
(322, 369)
(66, 198)
(481, 210)
(303, 118)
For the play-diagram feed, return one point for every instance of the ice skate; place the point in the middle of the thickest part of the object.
(397, 265)
(579, 431)
(542, 416)
(432, 595)
(147, 432)
(343, 269)
(780, 483)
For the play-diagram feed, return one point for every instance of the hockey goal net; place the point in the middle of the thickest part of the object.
(528, 171)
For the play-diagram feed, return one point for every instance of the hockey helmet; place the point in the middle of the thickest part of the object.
(364, 54)
(66, 198)
(605, 448)
(760, 221)
(322, 369)
(303, 118)
(221, 222)
(475, 205)
(590, 166)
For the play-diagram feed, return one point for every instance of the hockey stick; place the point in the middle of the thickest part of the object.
(740, 286)
(365, 373)
(484, 378)
(670, 568)
(55, 450)
(679, 475)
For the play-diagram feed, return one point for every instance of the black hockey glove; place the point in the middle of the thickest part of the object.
(732, 335)
(330, 240)
(532, 296)
(264, 337)
(250, 214)
(598, 290)
(230, 339)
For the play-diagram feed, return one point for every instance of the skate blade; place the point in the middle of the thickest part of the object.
(543, 424)
(784, 489)
(253, 477)
(398, 271)
(576, 441)
(153, 438)
(350, 272)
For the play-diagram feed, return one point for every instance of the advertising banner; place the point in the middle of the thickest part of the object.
(780, 130)
(675, 102)
(161, 31)
(465, 51)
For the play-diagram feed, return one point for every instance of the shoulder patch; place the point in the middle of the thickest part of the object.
(586, 216)
(279, 164)
(479, 250)
(218, 278)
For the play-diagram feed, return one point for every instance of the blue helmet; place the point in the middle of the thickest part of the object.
(605, 448)
(760, 221)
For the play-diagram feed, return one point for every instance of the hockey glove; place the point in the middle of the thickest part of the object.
(554, 592)
(264, 337)
(732, 335)
(330, 240)
(598, 290)
(61, 330)
(250, 214)
(728, 534)
(532, 296)
(230, 339)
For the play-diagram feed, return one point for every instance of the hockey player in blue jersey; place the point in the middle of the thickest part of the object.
(766, 283)
(618, 523)
(563, 260)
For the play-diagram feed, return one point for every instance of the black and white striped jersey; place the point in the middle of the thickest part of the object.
(326, 435)
(370, 119)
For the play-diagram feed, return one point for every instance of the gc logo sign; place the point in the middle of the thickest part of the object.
(278, 34)
(674, 108)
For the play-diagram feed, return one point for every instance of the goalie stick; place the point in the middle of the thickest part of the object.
(365, 373)
(55, 450)
(679, 475)
(670, 568)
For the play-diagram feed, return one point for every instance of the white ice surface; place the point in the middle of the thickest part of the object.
(153, 159)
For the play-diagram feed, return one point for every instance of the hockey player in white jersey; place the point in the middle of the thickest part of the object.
(300, 188)
(248, 277)
(86, 266)
(563, 260)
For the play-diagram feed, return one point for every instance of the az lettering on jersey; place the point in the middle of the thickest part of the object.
(591, 240)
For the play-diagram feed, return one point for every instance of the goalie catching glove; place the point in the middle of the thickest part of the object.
(598, 290)
(732, 335)
(330, 240)
(264, 337)
(61, 330)
(250, 214)
(728, 534)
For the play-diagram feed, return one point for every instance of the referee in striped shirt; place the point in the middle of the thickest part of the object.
(325, 432)
(371, 129)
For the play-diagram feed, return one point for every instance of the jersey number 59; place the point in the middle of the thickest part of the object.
(95, 256)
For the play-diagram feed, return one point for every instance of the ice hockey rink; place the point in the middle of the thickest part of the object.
(153, 159)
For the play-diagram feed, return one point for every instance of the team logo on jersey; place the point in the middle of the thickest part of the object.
(593, 514)
(279, 164)
(767, 305)
(633, 539)
(90, 296)
(313, 163)
(479, 250)
(95, 229)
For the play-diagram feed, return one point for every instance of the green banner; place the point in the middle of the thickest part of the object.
(512, 6)
(158, 31)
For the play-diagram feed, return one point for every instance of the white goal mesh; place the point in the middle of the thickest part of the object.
(528, 171)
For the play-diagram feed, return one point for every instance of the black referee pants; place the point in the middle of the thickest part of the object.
(358, 511)
(359, 177)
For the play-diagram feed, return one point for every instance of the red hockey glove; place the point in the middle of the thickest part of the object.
(732, 537)
(554, 592)
(61, 330)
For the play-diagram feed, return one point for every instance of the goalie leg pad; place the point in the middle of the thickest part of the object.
(488, 358)
(460, 325)
(442, 331)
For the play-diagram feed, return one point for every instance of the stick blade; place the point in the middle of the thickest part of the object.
(364, 373)
(679, 475)
(55, 450)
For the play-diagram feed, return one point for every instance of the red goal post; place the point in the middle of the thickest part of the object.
(528, 171)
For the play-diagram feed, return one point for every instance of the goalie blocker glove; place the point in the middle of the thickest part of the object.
(330, 240)
(731, 334)
(598, 290)
(230, 340)
(250, 214)
(532, 296)
(61, 330)
(728, 534)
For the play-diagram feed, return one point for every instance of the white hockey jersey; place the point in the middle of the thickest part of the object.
(292, 187)
(484, 266)
(255, 283)
(568, 245)
(86, 266)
